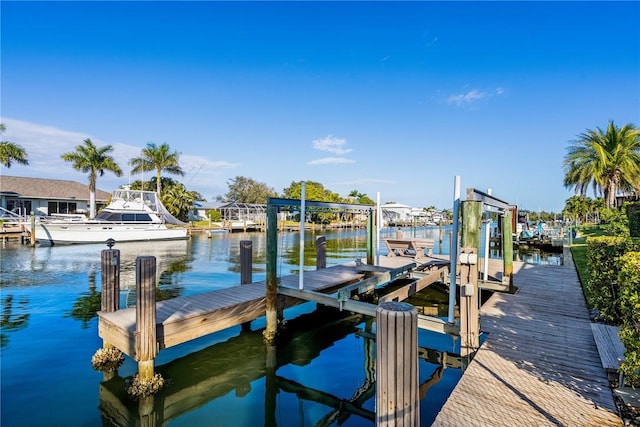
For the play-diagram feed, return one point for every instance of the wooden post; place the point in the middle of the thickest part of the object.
(246, 262)
(272, 278)
(469, 291)
(110, 292)
(397, 390)
(146, 342)
(371, 237)
(110, 297)
(32, 235)
(246, 270)
(469, 302)
(321, 252)
(471, 224)
(507, 251)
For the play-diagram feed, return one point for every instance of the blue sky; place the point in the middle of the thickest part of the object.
(389, 97)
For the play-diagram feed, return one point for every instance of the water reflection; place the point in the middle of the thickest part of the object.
(283, 385)
(14, 317)
(216, 371)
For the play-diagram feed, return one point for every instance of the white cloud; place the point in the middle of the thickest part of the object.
(45, 144)
(331, 161)
(472, 96)
(466, 98)
(332, 145)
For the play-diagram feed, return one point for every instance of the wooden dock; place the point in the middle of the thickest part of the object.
(182, 319)
(539, 365)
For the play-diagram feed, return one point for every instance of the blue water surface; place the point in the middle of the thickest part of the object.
(49, 333)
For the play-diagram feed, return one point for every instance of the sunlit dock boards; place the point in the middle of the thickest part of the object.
(182, 319)
(539, 364)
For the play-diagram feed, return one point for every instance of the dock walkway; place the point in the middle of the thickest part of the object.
(539, 365)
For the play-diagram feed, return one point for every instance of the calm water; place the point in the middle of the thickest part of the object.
(50, 295)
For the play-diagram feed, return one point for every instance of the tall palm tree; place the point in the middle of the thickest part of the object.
(609, 160)
(158, 158)
(11, 152)
(95, 161)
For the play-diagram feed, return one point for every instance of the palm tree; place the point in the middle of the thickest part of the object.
(608, 160)
(158, 158)
(11, 152)
(94, 160)
(179, 201)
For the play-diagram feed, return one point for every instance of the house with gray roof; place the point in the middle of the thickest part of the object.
(42, 196)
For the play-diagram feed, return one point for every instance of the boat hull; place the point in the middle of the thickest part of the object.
(99, 233)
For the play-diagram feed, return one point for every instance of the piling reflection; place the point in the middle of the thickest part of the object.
(244, 367)
(14, 317)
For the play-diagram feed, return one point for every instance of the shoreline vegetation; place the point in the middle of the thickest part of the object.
(607, 268)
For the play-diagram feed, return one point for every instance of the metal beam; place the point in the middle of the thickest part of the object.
(280, 202)
(328, 300)
(488, 200)
(436, 324)
(424, 322)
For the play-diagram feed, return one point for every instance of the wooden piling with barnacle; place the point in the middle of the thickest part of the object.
(108, 358)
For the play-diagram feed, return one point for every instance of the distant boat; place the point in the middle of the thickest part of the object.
(132, 216)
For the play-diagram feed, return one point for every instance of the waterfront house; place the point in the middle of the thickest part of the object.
(42, 196)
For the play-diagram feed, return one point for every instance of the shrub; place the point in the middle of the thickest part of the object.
(629, 279)
(602, 260)
(615, 222)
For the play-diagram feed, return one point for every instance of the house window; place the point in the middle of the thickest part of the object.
(62, 207)
(21, 207)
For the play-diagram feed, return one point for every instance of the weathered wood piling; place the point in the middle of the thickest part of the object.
(146, 343)
(246, 262)
(110, 265)
(321, 252)
(397, 392)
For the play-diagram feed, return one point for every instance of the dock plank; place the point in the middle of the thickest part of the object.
(539, 364)
(184, 318)
(610, 347)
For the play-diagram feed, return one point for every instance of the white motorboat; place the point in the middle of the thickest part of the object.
(131, 216)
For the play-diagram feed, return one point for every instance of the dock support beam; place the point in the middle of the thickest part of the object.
(469, 291)
(246, 262)
(110, 298)
(507, 250)
(32, 235)
(397, 390)
(110, 266)
(321, 252)
(371, 237)
(146, 343)
(272, 279)
(246, 269)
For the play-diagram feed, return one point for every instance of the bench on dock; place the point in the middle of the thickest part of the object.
(610, 349)
(409, 247)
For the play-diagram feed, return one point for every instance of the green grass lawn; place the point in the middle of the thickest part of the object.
(579, 251)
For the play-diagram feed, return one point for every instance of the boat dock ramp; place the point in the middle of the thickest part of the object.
(538, 366)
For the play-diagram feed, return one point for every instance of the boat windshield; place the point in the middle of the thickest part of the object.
(123, 217)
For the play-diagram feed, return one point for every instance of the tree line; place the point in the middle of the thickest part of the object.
(606, 160)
